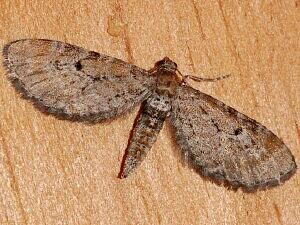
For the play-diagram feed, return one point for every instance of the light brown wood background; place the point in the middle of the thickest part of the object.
(61, 172)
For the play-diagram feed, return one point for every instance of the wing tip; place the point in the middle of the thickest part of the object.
(270, 183)
(7, 45)
(234, 185)
(6, 62)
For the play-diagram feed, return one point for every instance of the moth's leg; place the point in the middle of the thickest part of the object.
(148, 124)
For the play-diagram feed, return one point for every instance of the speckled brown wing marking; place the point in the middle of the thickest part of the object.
(73, 82)
(227, 146)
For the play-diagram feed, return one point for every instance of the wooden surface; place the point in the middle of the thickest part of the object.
(61, 172)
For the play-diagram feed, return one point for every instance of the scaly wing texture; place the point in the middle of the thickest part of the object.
(227, 146)
(73, 82)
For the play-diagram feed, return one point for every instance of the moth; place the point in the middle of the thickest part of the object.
(216, 140)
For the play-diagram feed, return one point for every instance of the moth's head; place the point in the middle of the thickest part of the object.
(166, 64)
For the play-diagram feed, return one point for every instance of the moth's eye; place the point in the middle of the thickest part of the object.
(159, 63)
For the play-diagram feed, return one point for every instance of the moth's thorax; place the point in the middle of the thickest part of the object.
(167, 82)
(167, 79)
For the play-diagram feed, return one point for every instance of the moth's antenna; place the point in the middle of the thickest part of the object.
(201, 79)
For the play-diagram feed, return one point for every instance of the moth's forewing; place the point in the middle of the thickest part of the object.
(226, 145)
(73, 82)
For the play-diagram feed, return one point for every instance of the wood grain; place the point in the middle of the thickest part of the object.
(60, 172)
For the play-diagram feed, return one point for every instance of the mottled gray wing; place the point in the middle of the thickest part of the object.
(73, 82)
(227, 146)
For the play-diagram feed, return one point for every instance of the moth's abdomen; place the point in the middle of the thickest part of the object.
(145, 131)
